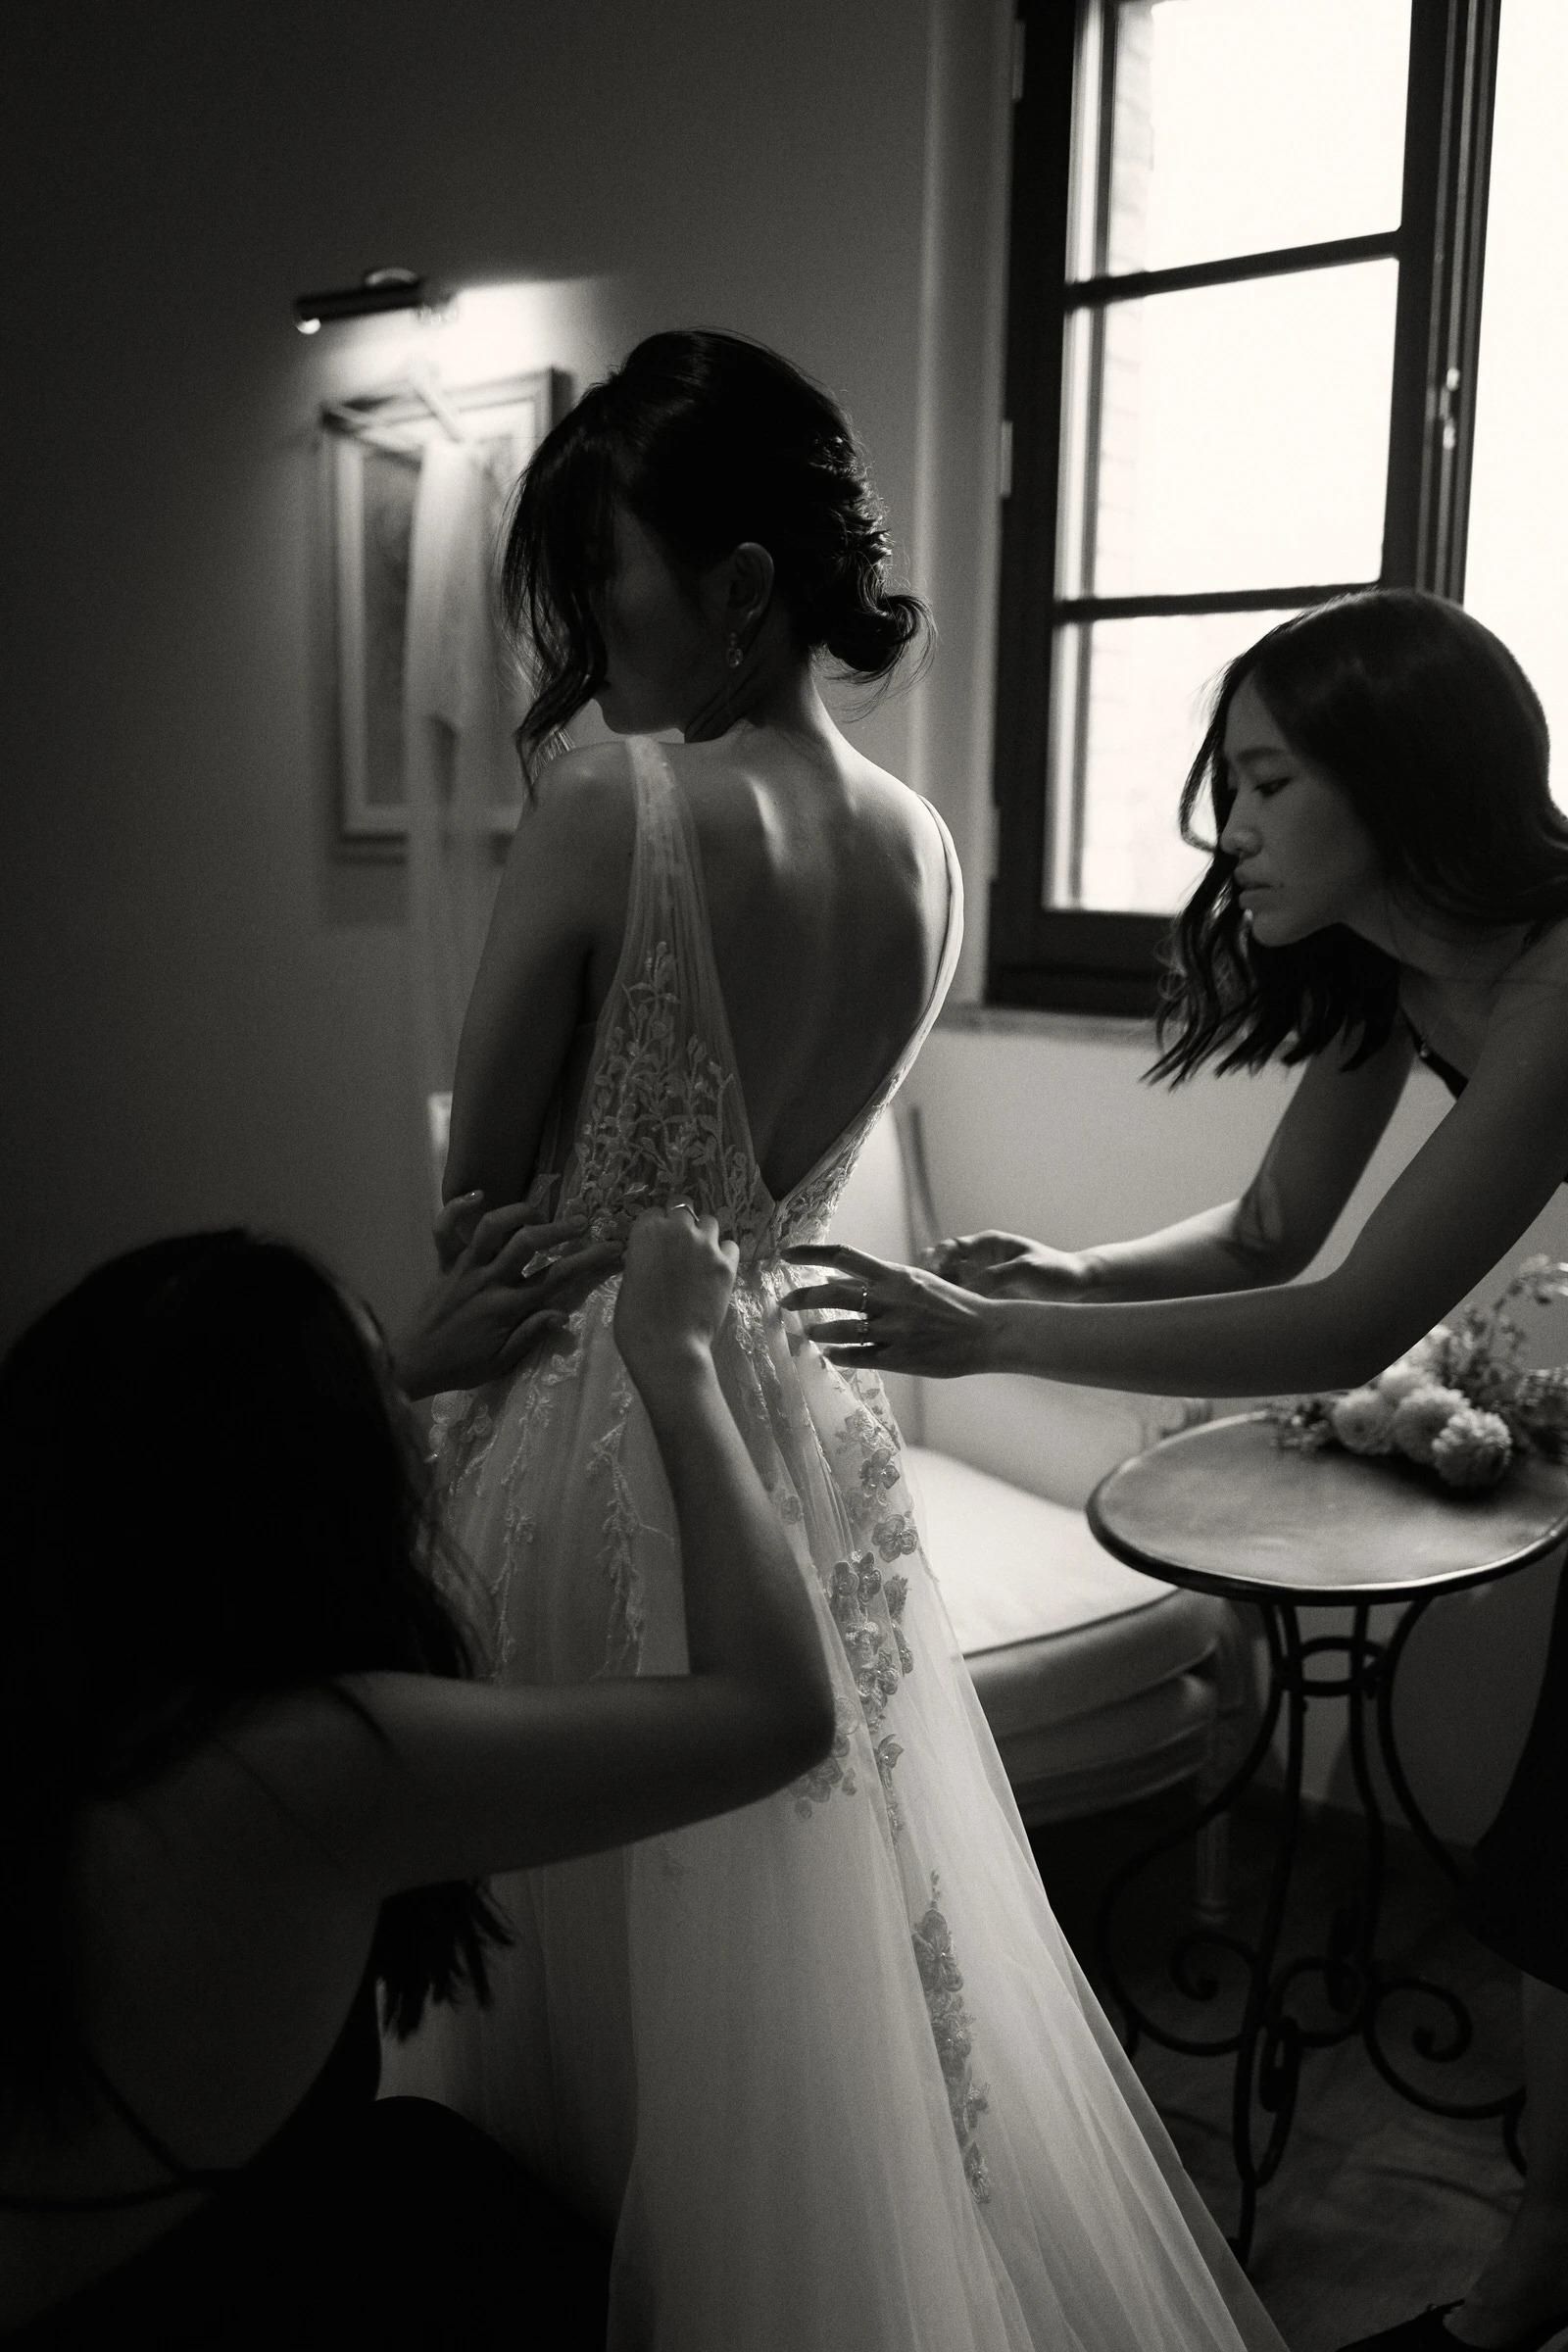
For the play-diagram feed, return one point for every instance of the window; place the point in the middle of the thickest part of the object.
(1518, 524)
(1242, 311)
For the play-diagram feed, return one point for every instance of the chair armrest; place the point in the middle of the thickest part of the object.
(1047, 1435)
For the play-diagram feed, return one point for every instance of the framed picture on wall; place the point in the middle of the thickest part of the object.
(373, 454)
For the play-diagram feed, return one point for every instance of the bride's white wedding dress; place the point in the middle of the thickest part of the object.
(827, 2062)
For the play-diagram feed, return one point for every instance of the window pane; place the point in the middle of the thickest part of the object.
(1144, 686)
(1514, 577)
(1241, 126)
(1244, 435)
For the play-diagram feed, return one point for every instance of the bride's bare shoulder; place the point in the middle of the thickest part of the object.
(593, 780)
(576, 830)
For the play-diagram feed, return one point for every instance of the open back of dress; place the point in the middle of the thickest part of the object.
(826, 2062)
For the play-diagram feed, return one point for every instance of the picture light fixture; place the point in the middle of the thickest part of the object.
(377, 290)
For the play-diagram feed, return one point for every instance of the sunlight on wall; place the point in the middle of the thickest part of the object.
(482, 333)
(1519, 493)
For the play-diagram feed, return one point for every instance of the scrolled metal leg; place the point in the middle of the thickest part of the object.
(1135, 2022)
(1269, 2044)
(1391, 1765)
(1211, 1900)
(1453, 2036)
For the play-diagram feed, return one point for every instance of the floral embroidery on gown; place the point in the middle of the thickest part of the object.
(826, 2064)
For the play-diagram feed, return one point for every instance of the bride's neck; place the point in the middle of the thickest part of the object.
(774, 686)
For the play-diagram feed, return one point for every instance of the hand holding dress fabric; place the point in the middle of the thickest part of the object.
(491, 1305)
(677, 1289)
(905, 1320)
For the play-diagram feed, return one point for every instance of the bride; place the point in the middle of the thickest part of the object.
(826, 2064)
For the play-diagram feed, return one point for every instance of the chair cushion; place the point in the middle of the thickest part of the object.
(1114, 1755)
(1048, 1437)
(1050, 1625)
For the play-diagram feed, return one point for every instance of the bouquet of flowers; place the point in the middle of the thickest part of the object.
(1460, 1403)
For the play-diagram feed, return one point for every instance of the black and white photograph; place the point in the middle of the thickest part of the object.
(784, 1345)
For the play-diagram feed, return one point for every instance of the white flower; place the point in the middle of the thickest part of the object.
(1422, 1418)
(1473, 1451)
(1430, 1353)
(1363, 1422)
(1545, 1278)
(1402, 1377)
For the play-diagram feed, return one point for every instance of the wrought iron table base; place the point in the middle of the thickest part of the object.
(1270, 2042)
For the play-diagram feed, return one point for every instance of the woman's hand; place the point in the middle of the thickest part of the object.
(456, 1226)
(674, 1293)
(489, 1307)
(906, 1320)
(1007, 1265)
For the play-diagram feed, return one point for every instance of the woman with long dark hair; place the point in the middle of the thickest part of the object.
(829, 2072)
(247, 1782)
(1388, 882)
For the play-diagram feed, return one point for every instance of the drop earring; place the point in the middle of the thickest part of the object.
(732, 652)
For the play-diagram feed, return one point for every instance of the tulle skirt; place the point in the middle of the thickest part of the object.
(826, 2064)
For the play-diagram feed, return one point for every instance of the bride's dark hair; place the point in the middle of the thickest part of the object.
(709, 440)
(1438, 740)
(208, 1500)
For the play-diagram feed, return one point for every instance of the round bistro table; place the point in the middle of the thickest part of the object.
(1226, 1509)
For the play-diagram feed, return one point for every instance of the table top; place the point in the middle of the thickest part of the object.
(1225, 1508)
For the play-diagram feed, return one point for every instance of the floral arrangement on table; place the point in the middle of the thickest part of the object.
(1461, 1403)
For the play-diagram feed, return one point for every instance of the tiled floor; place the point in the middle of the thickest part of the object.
(1377, 2208)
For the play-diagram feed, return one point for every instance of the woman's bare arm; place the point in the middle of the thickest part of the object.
(472, 1780)
(1463, 1202)
(563, 896)
(1271, 1233)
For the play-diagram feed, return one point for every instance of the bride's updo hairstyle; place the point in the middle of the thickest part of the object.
(1430, 728)
(211, 1498)
(708, 440)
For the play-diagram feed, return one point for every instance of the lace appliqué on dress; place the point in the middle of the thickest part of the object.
(623, 1525)
(808, 1210)
(462, 1430)
(654, 1128)
(815, 1787)
(519, 1529)
(868, 1609)
(953, 2031)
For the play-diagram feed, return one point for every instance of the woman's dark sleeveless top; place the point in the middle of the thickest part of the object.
(348, 2081)
(1454, 1080)
(228, 2273)
(363, 2221)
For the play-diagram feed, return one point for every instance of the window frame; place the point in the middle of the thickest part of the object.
(1097, 961)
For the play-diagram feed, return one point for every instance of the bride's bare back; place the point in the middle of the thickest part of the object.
(827, 890)
(827, 894)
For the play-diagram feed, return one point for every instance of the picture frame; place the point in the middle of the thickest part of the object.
(371, 451)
